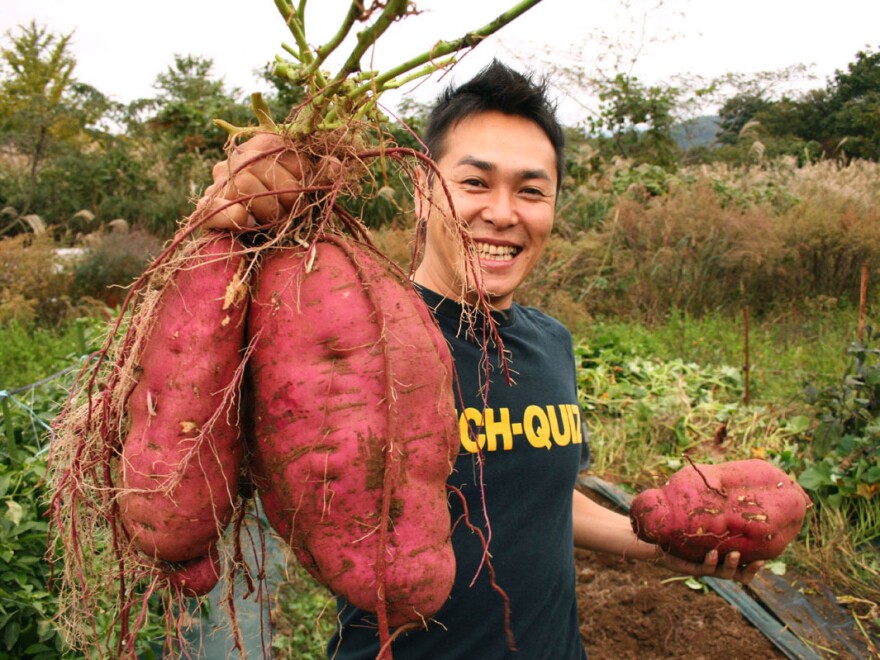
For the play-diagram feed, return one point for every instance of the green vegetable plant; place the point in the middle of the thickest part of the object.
(843, 459)
(26, 604)
(352, 93)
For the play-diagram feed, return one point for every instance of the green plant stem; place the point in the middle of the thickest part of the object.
(389, 79)
(295, 20)
(324, 51)
(7, 425)
(443, 48)
(392, 11)
(324, 94)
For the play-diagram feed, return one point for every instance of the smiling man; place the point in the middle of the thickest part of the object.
(502, 174)
(499, 152)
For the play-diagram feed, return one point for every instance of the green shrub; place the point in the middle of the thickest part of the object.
(33, 286)
(109, 268)
(29, 353)
(843, 450)
(26, 605)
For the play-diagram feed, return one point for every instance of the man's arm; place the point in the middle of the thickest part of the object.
(598, 528)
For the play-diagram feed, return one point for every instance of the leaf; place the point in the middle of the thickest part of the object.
(33, 649)
(776, 567)
(10, 635)
(798, 424)
(816, 476)
(694, 583)
(14, 512)
(872, 474)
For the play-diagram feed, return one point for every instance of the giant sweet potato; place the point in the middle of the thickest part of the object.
(748, 506)
(354, 426)
(182, 454)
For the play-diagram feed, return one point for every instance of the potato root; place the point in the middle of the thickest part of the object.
(750, 506)
(354, 426)
(182, 455)
(198, 576)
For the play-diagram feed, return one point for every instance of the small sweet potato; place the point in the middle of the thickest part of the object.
(182, 454)
(198, 576)
(354, 428)
(748, 506)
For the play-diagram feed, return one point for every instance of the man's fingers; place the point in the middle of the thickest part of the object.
(749, 571)
(729, 567)
(267, 179)
(214, 212)
(272, 175)
(257, 198)
(270, 150)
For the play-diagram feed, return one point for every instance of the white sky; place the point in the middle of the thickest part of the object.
(120, 46)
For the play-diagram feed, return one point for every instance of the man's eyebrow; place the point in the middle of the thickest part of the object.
(486, 166)
(480, 164)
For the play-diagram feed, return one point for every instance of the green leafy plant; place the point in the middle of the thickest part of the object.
(26, 605)
(304, 617)
(844, 448)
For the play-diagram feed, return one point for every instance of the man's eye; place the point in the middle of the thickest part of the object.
(472, 182)
(534, 192)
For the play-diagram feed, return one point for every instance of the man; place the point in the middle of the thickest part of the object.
(499, 153)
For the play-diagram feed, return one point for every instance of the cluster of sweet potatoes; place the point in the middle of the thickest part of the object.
(348, 423)
(750, 506)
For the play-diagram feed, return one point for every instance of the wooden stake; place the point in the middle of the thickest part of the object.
(863, 301)
(746, 364)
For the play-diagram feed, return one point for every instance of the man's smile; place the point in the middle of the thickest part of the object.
(493, 252)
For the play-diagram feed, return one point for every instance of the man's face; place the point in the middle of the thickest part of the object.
(501, 173)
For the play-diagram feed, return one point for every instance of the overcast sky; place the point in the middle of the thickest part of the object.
(121, 46)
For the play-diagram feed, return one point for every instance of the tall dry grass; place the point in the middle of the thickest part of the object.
(774, 237)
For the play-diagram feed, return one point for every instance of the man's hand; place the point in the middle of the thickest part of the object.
(260, 183)
(729, 569)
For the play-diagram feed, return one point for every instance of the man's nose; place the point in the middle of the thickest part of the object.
(500, 209)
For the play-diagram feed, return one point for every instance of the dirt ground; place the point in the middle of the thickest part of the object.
(631, 609)
(627, 611)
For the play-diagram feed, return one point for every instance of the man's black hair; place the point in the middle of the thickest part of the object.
(497, 87)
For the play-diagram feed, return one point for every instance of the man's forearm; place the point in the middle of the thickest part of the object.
(601, 529)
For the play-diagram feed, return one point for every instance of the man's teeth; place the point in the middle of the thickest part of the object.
(496, 252)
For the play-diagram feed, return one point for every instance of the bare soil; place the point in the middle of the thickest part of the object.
(629, 609)
(634, 609)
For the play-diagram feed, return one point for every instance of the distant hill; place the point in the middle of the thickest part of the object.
(698, 132)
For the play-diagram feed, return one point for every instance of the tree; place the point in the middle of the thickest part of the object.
(853, 107)
(637, 120)
(736, 112)
(188, 101)
(843, 119)
(42, 106)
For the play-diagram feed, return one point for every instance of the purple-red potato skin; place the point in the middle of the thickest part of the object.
(182, 455)
(748, 506)
(349, 369)
(196, 577)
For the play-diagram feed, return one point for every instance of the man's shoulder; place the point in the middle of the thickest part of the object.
(542, 320)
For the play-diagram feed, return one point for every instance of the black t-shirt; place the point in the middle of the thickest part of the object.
(531, 441)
